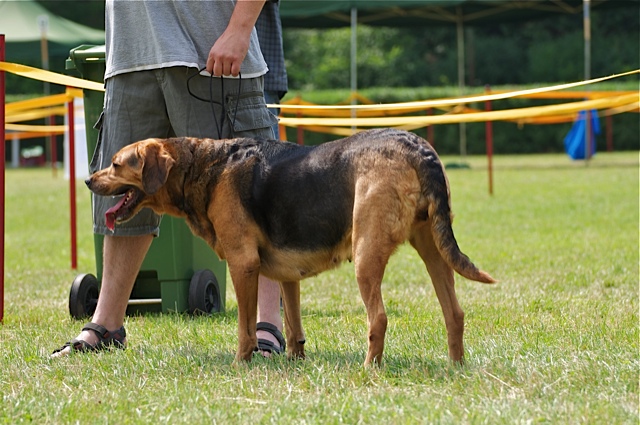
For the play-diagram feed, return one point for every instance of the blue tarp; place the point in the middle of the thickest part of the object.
(575, 143)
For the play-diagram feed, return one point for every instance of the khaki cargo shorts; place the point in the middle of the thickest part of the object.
(156, 103)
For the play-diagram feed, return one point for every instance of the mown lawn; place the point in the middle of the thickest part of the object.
(556, 341)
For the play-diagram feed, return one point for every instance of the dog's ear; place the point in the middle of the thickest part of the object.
(156, 166)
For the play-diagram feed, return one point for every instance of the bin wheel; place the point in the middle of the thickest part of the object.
(83, 297)
(204, 293)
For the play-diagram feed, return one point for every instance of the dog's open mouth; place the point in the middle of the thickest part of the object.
(123, 210)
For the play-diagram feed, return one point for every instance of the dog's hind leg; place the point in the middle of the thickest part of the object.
(292, 319)
(369, 271)
(384, 206)
(372, 248)
(443, 282)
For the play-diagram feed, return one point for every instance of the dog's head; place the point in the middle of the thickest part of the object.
(137, 172)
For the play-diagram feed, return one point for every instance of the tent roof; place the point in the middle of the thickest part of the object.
(19, 21)
(402, 13)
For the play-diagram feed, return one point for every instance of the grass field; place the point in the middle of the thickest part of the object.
(556, 341)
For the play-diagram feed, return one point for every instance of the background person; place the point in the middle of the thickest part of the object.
(269, 30)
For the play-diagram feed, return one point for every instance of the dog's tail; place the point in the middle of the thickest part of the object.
(435, 188)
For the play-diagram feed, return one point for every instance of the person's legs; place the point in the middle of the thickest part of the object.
(269, 290)
(269, 310)
(128, 97)
(123, 256)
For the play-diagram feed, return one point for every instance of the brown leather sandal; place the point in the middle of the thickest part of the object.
(106, 339)
(265, 344)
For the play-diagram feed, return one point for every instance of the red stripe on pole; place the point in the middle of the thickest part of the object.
(51, 120)
(609, 122)
(2, 176)
(430, 130)
(72, 183)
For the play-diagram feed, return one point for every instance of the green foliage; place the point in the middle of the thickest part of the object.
(509, 53)
(555, 341)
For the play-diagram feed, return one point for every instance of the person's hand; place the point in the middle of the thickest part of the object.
(228, 52)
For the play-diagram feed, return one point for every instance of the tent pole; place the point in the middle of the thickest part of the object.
(354, 55)
(488, 130)
(586, 6)
(43, 24)
(461, 76)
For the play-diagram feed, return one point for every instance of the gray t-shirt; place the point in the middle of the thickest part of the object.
(143, 35)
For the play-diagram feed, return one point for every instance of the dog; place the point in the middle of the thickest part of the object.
(289, 212)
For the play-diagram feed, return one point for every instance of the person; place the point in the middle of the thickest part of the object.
(153, 51)
(269, 29)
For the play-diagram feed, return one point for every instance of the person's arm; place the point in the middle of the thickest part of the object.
(228, 52)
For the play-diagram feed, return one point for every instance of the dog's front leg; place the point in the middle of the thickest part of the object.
(293, 320)
(245, 282)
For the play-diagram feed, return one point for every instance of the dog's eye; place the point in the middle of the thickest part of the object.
(115, 165)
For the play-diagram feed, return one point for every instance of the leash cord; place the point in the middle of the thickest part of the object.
(222, 104)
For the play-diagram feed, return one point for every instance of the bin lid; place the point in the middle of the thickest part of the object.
(85, 53)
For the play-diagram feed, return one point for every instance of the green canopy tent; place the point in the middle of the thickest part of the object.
(414, 13)
(29, 28)
(399, 13)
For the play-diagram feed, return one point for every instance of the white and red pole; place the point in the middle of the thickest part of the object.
(2, 185)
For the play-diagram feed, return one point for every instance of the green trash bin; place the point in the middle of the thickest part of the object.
(180, 272)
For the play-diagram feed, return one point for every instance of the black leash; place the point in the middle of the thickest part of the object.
(211, 101)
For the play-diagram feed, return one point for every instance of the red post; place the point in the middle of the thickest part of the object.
(2, 183)
(51, 120)
(587, 136)
(430, 131)
(72, 184)
(609, 123)
(488, 128)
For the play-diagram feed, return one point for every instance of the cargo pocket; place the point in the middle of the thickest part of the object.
(249, 116)
(95, 159)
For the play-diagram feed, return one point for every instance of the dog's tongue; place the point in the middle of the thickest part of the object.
(110, 215)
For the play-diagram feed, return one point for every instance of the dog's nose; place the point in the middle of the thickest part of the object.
(88, 182)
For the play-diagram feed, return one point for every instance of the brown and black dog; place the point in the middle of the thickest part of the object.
(289, 212)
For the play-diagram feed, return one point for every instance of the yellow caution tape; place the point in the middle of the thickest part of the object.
(51, 77)
(39, 102)
(36, 128)
(455, 101)
(35, 114)
(513, 114)
(632, 107)
(341, 115)
(74, 92)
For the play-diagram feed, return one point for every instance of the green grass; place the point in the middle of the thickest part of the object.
(556, 341)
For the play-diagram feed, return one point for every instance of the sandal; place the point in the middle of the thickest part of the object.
(105, 339)
(265, 344)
